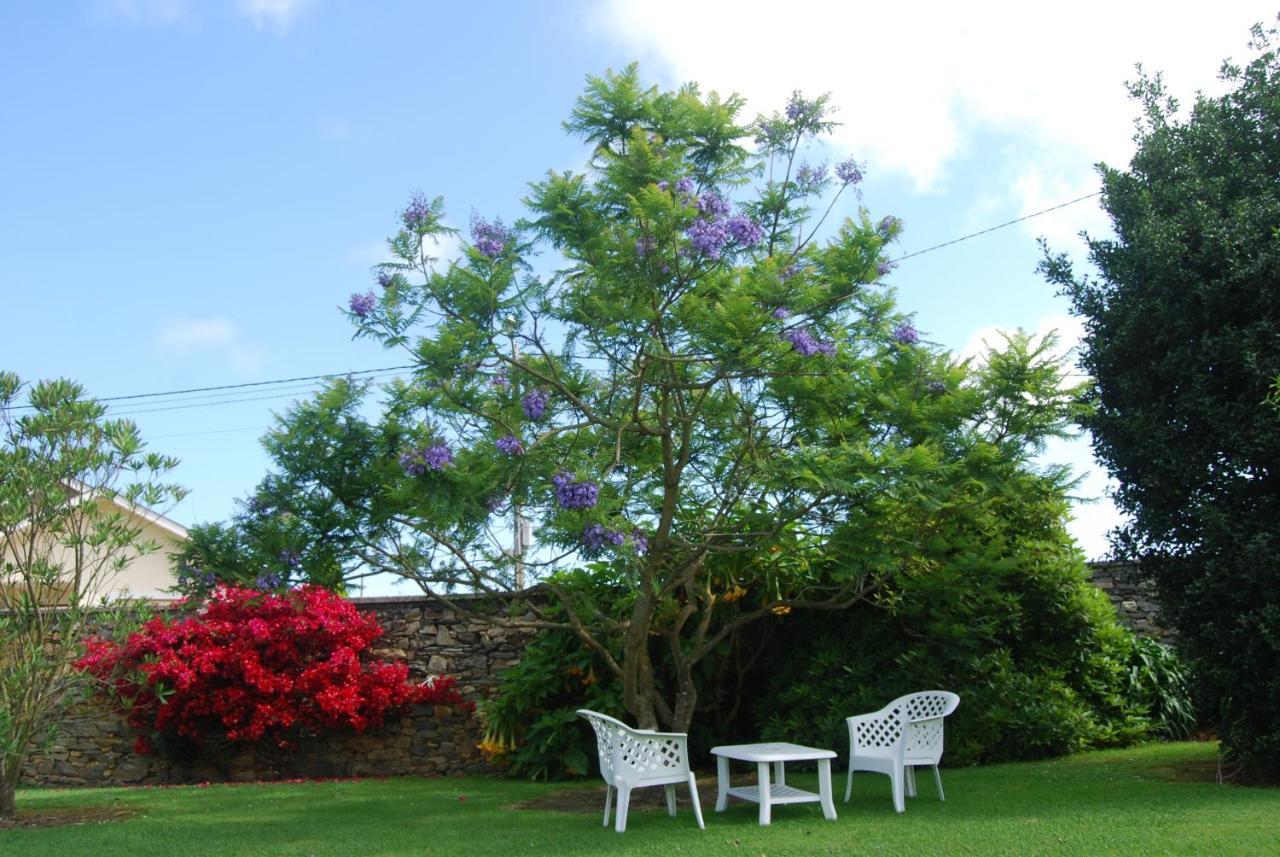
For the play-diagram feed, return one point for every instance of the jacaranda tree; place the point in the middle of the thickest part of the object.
(702, 399)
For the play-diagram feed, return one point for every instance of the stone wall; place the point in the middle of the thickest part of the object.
(96, 746)
(1134, 596)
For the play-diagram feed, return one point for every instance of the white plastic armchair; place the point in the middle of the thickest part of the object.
(896, 739)
(635, 758)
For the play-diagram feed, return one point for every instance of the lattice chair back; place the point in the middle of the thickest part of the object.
(923, 713)
(634, 758)
(880, 733)
(636, 754)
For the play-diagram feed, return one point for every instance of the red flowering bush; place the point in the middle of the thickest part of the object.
(251, 666)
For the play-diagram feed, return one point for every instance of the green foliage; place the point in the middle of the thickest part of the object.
(704, 389)
(1160, 679)
(530, 725)
(68, 478)
(1002, 614)
(1183, 341)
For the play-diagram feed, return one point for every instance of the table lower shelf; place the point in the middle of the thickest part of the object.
(777, 794)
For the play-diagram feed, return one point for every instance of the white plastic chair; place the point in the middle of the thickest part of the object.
(904, 734)
(635, 758)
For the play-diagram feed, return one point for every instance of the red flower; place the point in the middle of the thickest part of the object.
(249, 666)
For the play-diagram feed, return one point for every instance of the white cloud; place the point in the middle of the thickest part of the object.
(277, 15)
(153, 11)
(1093, 514)
(917, 82)
(183, 337)
(190, 334)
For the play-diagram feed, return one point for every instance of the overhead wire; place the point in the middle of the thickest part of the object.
(175, 400)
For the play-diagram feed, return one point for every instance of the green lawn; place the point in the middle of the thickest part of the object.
(1158, 799)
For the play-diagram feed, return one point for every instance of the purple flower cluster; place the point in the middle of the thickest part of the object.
(363, 304)
(574, 495)
(884, 268)
(639, 541)
(849, 171)
(685, 185)
(596, 536)
(415, 462)
(887, 224)
(385, 278)
(645, 245)
(781, 313)
(797, 107)
(708, 237)
(906, 333)
(509, 445)
(744, 231)
(712, 205)
(535, 404)
(715, 229)
(191, 577)
(290, 558)
(418, 215)
(935, 388)
(501, 381)
(811, 177)
(267, 581)
(663, 185)
(806, 344)
(489, 238)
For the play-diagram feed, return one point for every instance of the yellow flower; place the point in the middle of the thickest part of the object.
(781, 610)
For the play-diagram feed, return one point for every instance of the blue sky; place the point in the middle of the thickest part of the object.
(189, 189)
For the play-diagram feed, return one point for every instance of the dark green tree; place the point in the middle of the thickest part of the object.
(1183, 343)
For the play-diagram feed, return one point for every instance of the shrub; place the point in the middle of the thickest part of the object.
(531, 727)
(1034, 652)
(251, 666)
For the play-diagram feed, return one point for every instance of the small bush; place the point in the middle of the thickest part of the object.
(531, 725)
(252, 666)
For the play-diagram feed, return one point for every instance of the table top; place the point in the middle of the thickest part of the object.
(772, 751)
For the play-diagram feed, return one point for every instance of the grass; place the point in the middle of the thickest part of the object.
(1157, 799)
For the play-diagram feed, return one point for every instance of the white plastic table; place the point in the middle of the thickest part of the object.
(768, 794)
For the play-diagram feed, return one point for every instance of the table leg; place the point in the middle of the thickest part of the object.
(722, 782)
(762, 773)
(824, 789)
(779, 773)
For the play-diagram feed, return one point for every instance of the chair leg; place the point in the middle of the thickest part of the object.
(911, 780)
(937, 778)
(608, 803)
(848, 786)
(897, 779)
(693, 798)
(671, 799)
(620, 814)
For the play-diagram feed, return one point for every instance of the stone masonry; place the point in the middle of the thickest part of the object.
(96, 746)
(1133, 595)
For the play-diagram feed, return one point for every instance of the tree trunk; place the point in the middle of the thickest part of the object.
(637, 671)
(8, 783)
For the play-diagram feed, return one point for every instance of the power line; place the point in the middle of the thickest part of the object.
(997, 226)
(362, 372)
(275, 382)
